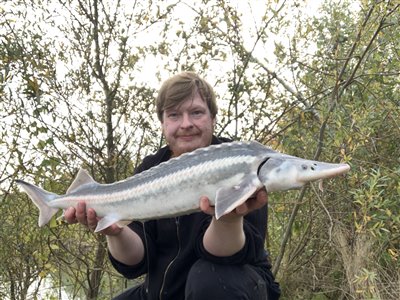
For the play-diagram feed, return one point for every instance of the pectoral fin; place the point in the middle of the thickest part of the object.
(106, 222)
(228, 198)
(124, 223)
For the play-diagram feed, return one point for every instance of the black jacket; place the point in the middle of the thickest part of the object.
(174, 244)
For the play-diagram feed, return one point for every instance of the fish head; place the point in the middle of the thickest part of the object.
(289, 172)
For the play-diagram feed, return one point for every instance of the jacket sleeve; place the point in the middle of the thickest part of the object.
(146, 231)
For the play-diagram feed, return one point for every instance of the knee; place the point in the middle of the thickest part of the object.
(212, 281)
(204, 282)
(204, 276)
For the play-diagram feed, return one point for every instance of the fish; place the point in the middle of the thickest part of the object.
(228, 174)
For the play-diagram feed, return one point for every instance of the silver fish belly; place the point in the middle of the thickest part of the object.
(228, 174)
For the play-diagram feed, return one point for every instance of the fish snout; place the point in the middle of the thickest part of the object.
(314, 170)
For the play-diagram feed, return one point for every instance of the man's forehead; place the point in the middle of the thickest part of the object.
(196, 102)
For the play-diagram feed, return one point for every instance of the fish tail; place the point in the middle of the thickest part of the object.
(41, 199)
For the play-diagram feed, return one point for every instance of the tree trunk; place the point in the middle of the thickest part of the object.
(97, 272)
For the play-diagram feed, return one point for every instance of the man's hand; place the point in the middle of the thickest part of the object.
(225, 237)
(88, 218)
(253, 203)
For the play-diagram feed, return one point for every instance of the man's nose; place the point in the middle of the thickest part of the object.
(186, 121)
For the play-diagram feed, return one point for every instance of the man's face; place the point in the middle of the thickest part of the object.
(188, 126)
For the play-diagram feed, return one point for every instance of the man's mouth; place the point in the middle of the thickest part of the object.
(187, 137)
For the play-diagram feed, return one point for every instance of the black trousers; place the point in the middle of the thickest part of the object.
(208, 281)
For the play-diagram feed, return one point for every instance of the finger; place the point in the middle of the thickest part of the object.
(92, 219)
(69, 215)
(206, 207)
(242, 209)
(260, 199)
(81, 213)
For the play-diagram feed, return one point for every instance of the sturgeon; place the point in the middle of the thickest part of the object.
(228, 174)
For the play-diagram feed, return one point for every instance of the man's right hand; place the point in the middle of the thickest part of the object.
(88, 218)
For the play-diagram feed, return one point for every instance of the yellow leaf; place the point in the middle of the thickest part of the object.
(54, 247)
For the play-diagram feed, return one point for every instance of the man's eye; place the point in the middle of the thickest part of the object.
(172, 115)
(197, 113)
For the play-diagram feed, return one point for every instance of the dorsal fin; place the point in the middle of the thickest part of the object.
(81, 178)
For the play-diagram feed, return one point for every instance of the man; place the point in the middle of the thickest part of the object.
(193, 256)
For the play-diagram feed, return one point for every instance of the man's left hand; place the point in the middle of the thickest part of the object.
(259, 199)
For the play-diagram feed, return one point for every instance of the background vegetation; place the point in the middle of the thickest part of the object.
(77, 85)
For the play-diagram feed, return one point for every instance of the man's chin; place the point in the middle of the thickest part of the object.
(186, 144)
(184, 147)
(187, 148)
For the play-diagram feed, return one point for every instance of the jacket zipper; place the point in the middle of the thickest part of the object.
(172, 261)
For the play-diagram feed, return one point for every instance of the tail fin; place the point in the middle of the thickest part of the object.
(40, 198)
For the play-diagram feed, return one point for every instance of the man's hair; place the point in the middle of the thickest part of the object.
(181, 87)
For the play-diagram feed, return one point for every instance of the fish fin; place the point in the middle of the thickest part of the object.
(40, 198)
(228, 198)
(81, 178)
(124, 223)
(107, 221)
(320, 185)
